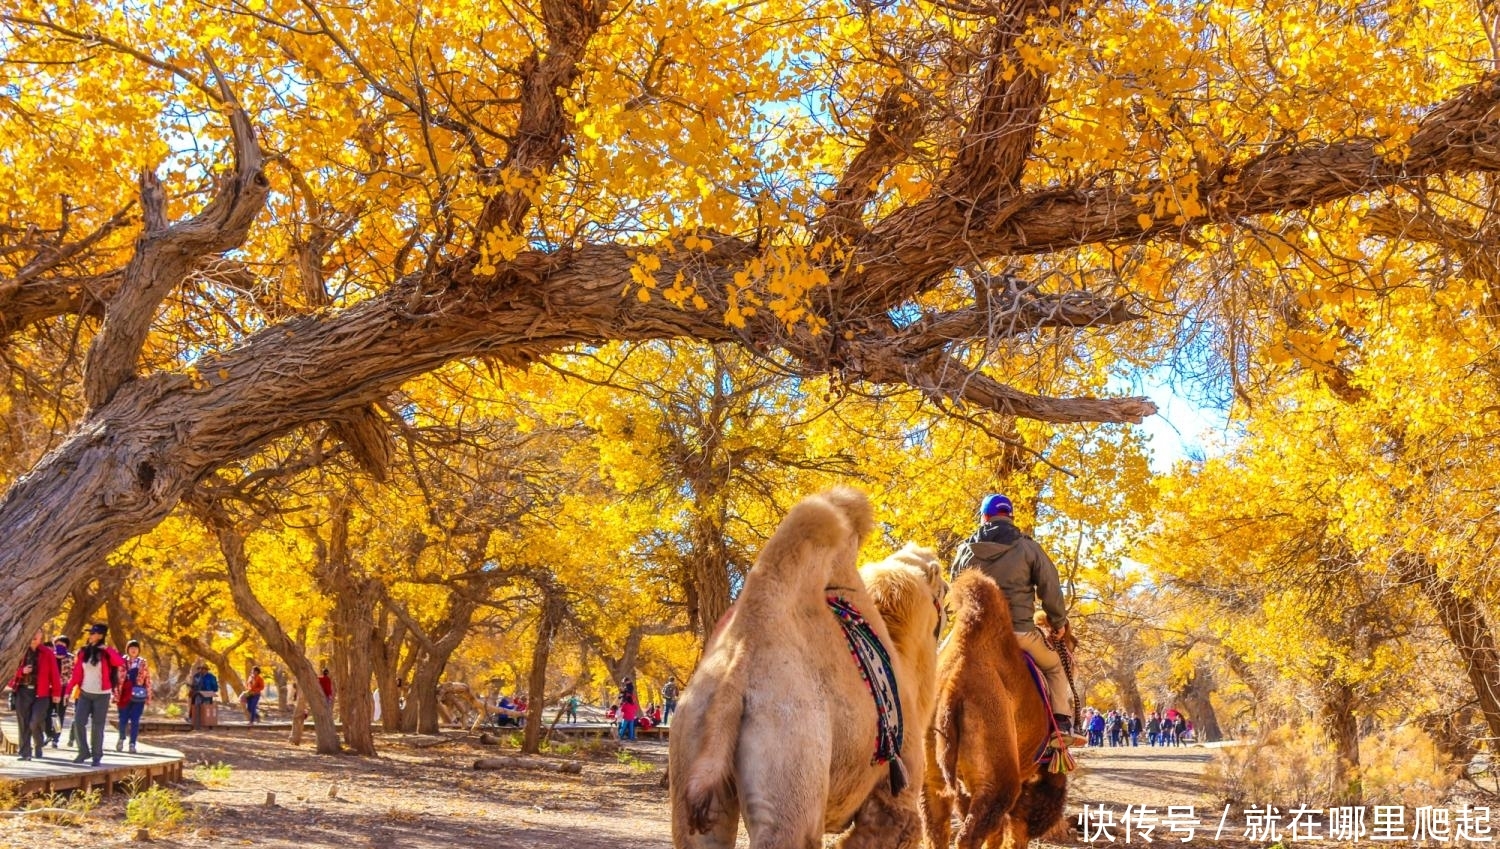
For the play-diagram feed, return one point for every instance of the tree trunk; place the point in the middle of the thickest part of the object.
(1342, 727)
(710, 579)
(352, 676)
(536, 687)
(392, 717)
(423, 716)
(296, 738)
(232, 545)
(87, 597)
(352, 630)
(279, 675)
(1123, 676)
(387, 651)
(432, 649)
(1467, 628)
(1196, 699)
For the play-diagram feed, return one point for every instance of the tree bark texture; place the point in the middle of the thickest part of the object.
(1469, 630)
(352, 631)
(1342, 728)
(1196, 698)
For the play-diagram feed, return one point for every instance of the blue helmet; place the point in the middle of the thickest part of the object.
(995, 505)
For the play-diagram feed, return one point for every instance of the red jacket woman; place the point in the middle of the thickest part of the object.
(113, 672)
(36, 685)
(48, 679)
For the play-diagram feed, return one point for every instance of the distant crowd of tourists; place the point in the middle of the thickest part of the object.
(623, 711)
(50, 678)
(1170, 728)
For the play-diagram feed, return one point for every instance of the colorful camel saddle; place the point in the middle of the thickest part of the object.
(874, 664)
(1054, 754)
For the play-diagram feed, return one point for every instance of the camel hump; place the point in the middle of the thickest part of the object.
(975, 597)
(818, 536)
(855, 506)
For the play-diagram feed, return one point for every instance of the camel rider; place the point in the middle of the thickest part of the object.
(1024, 573)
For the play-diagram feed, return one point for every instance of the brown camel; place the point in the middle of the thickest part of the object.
(989, 726)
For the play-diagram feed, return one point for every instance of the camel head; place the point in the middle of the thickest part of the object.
(909, 590)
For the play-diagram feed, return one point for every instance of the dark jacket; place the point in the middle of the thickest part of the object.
(1019, 567)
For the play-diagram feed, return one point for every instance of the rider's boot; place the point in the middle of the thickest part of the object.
(1065, 725)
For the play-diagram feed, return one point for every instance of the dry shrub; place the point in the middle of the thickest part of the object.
(1289, 765)
(1295, 765)
(1403, 766)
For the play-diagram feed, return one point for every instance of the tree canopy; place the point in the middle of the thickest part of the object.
(663, 265)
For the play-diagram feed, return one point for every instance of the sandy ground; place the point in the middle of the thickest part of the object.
(425, 798)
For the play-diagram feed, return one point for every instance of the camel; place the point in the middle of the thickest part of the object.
(777, 725)
(989, 726)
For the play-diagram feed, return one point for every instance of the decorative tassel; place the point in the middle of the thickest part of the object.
(1061, 760)
(899, 778)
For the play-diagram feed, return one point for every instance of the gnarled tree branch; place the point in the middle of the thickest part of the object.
(165, 253)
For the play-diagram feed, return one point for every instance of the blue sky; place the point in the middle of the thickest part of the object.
(1183, 427)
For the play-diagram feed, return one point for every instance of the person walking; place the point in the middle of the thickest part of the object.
(1024, 573)
(669, 697)
(132, 696)
(37, 686)
(96, 673)
(58, 720)
(253, 690)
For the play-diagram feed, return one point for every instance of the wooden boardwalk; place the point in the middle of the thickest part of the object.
(55, 771)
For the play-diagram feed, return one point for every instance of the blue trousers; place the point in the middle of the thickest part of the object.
(130, 721)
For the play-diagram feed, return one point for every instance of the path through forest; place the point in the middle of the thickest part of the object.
(430, 798)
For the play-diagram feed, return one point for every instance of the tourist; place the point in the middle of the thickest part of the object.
(61, 646)
(571, 707)
(253, 690)
(132, 696)
(1153, 729)
(37, 685)
(1134, 727)
(96, 673)
(1179, 730)
(629, 713)
(1096, 730)
(325, 683)
(1024, 574)
(203, 688)
(669, 695)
